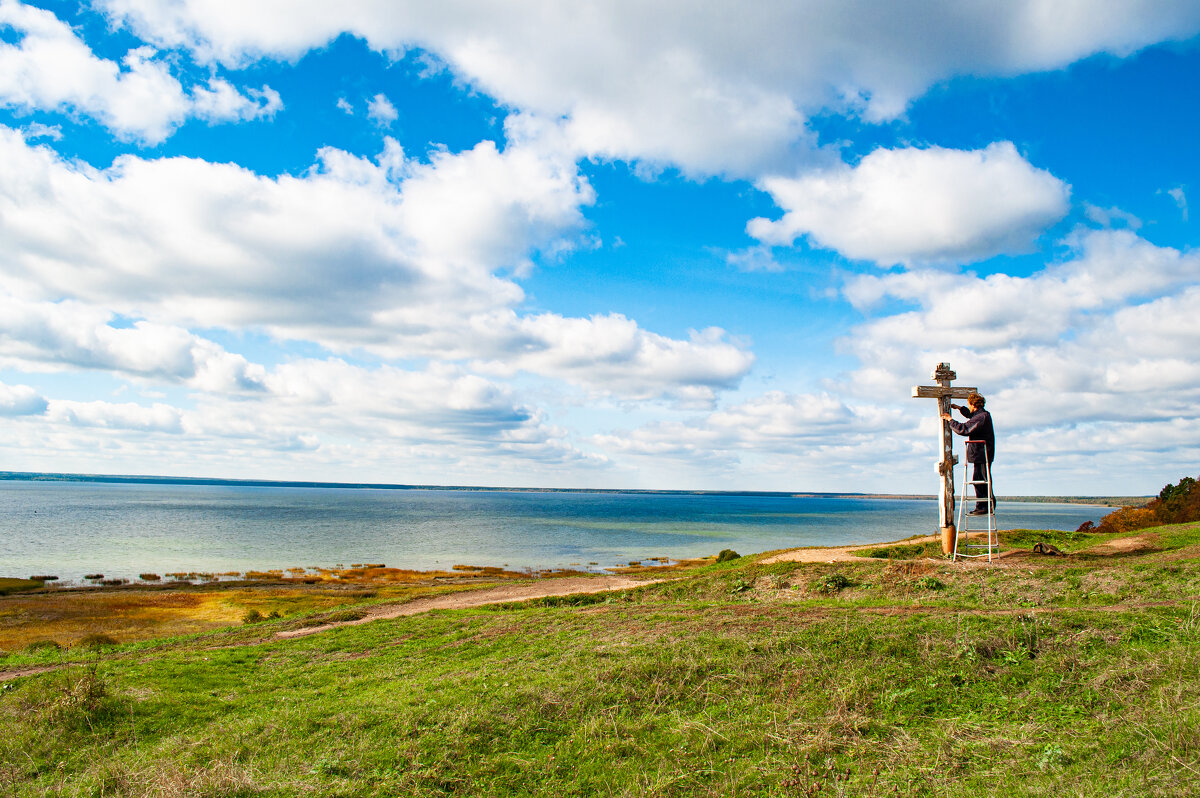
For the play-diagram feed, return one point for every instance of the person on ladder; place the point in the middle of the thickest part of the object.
(981, 448)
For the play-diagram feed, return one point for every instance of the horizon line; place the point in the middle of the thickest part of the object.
(60, 476)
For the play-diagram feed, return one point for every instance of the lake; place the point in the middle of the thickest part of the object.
(74, 528)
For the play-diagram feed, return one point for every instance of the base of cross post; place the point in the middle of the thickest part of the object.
(948, 533)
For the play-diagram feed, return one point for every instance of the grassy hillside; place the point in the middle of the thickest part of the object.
(1038, 676)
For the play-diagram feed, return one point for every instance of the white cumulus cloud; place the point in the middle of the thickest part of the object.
(918, 205)
(50, 68)
(48, 335)
(612, 354)
(20, 400)
(399, 256)
(108, 415)
(221, 101)
(710, 87)
(381, 111)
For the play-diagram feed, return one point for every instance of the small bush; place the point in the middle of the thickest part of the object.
(43, 578)
(93, 577)
(254, 616)
(149, 577)
(329, 767)
(930, 582)
(741, 585)
(1052, 756)
(42, 645)
(97, 641)
(1127, 519)
(833, 583)
(357, 614)
(570, 600)
(725, 555)
(901, 552)
(80, 704)
(342, 616)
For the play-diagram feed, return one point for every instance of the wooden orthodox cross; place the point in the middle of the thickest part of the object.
(942, 375)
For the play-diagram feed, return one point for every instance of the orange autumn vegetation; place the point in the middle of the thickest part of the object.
(1176, 504)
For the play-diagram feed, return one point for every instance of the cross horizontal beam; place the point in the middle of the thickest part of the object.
(937, 391)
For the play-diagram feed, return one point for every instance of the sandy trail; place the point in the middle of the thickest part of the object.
(500, 594)
(836, 553)
(815, 554)
(1137, 543)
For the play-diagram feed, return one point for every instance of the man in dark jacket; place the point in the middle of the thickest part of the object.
(981, 448)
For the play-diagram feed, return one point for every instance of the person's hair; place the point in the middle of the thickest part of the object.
(975, 399)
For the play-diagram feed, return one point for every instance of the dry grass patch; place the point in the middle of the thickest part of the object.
(69, 617)
(220, 778)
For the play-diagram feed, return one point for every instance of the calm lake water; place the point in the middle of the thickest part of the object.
(73, 528)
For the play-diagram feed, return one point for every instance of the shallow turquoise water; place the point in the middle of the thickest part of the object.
(72, 528)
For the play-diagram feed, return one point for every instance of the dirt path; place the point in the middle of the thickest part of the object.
(1131, 545)
(500, 594)
(830, 554)
(834, 553)
(30, 671)
(849, 553)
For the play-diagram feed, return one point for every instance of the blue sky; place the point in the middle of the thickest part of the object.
(598, 244)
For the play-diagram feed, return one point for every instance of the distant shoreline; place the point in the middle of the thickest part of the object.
(144, 479)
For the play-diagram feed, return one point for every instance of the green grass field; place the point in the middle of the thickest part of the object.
(1041, 676)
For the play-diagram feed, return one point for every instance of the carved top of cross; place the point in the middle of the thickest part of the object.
(942, 375)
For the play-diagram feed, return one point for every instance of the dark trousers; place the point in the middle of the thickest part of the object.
(979, 474)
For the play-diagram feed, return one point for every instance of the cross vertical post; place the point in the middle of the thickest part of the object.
(943, 392)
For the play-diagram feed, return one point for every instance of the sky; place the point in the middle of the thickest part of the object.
(603, 243)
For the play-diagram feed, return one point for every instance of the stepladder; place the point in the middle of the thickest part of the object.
(986, 540)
